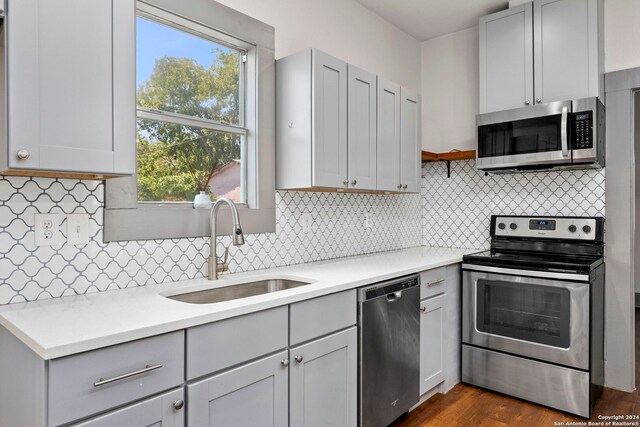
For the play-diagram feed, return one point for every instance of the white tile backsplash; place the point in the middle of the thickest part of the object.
(457, 210)
(450, 212)
(336, 229)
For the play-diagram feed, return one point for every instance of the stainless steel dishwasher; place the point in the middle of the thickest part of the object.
(389, 350)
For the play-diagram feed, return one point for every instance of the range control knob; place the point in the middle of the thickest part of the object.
(572, 228)
(502, 226)
(513, 226)
(586, 229)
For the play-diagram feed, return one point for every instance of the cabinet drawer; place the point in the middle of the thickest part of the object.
(220, 345)
(80, 385)
(320, 316)
(433, 282)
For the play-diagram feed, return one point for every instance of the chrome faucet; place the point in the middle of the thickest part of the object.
(238, 238)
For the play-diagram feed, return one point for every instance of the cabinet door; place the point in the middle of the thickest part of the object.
(71, 71)
(566, 49)
(410, 141)
(254, 395)
(506, 59)
(166, 410)
(329, 125)
(362, 129)
(388, 169)
(431, 342)
(323, 377)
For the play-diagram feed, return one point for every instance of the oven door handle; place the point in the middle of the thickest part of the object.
(564, 131)
(574, 277)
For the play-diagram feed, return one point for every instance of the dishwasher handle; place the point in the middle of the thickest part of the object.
(395, 296)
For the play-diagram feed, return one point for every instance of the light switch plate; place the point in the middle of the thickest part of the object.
(78, 229)
(47, 229)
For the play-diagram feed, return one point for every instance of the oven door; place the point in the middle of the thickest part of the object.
(540, 318)
(530, 136)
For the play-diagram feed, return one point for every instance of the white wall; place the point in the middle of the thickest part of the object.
(342, 28)
(450, 91)
(622, 34)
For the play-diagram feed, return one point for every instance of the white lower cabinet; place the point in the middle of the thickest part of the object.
(166, 410)
(323, 381)
(255, 394)
(432, 324)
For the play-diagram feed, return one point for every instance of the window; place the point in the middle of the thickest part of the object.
(190, 127)
(205, 78)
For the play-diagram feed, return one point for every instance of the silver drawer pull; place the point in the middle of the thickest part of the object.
(434, 283)
(146, 369)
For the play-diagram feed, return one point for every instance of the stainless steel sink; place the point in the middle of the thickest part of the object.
(241, 290)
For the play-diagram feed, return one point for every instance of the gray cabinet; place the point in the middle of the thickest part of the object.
(361, 129)
(70, 87)
(388, 136)
(166, 410)
(339, 127)
(410, 140)
(539, 52)
(255, 394)
(566, 37)
(432, 324)
(323, 381)
(506, 59)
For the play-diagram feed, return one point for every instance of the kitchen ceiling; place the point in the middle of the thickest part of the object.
(426, 19)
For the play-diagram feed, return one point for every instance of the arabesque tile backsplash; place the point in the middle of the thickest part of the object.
(336, 229)
(452, 212)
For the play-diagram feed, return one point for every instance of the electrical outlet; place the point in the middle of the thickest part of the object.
(305, 221)
(47, 229)
(368, 222)
(77, 229)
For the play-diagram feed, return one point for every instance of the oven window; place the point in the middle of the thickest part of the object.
(524, 311)
(537, 135)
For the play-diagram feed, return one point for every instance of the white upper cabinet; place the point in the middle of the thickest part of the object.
(410, 140)
(566, 49)
(70, 68)
(388, 136)
(340, 127)
(362, 129)
(506, 59)
(539, 52)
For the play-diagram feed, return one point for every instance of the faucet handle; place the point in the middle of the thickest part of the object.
(223, 259)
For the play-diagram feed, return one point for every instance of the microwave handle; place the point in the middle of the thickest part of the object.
(563, 132)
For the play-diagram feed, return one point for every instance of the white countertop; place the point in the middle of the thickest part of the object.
(64, 326)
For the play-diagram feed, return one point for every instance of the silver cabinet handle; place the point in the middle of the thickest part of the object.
(178, 404)
(563, 132)
(23, 155)
(399, 186)
(423, 309)
(435, 282)
(527, 102)
(146, 369)
(284, 362)
(539, 100)
(354, 182)
(299, 359)
(404, 187)
(345, 182)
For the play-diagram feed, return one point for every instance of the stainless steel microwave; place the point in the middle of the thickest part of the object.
(557, 135)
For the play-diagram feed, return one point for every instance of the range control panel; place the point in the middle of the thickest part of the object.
(552, 228)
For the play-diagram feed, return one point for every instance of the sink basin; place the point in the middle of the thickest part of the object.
(241, 290)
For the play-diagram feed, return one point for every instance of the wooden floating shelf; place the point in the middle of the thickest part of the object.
(428, 156)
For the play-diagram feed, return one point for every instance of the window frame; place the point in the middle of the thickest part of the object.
(127, 219)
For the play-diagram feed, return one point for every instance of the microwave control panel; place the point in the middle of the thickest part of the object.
(583, 130)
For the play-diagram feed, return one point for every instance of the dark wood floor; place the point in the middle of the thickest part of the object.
(470, 406)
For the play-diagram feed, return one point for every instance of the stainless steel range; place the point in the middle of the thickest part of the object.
(532, 311)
